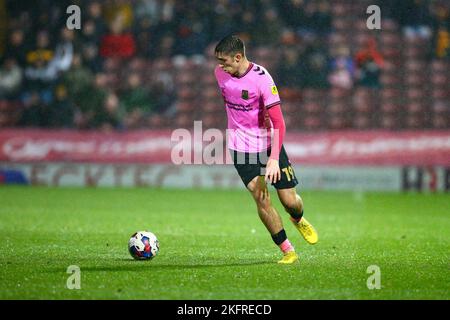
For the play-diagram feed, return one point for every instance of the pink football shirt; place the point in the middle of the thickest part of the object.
(247, 98)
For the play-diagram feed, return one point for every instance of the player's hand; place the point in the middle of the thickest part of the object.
(273, 173)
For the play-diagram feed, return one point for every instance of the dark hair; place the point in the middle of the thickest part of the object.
(230, 45)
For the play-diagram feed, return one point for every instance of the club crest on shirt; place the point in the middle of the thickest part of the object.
(245, 94)
(274, 90)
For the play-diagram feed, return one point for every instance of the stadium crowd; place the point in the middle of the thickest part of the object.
(106, 75)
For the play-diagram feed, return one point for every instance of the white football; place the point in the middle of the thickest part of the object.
(143, 245)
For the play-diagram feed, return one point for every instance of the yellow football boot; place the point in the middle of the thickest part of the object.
(306, 230)
(289, 257)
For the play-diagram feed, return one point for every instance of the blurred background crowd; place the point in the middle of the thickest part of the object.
(149, 63)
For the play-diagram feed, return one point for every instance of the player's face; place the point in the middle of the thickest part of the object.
(228, 63)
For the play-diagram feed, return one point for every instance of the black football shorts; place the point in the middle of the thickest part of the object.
(251, 165)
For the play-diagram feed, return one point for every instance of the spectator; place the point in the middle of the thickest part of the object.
(289, 73)
(94, 15)
(342, 69)
(10, 79)
(107, 118)
(441, 30)
(165, 95)
(369, 63)
(90, 33)
(321, 19)
(32, 112)
(415, 18)
(39, 73)
(137, 102)
(191, 34)
(269, 30)
(165, 48)
(88, 45)
(63, 55)
(147, 9)
(90, 101)
(17, 47)
(293, 12)
(91, 57)
(144, 37)
(315, 66)
(61, 109)
(42, 51)
(78, 78)
(118, 43)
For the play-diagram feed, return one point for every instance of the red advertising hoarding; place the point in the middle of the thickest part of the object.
(147, 146)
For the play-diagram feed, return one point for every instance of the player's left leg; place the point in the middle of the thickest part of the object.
(293, 204)
(291, 201)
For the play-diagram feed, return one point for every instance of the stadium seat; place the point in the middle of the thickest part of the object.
(362, 122)
(389, 40)
(185, 106)
(390, 67)
(184, 120)
(341, 24)
(415, 108)
(390, 79)
(389, 25)
(336, 108)
(213, 120)
(337, 93)
(287, 93)
(390, 108)
(339, 9)
(186, 78)
(440, 79)
(186, 93)
(414, 94)
(312, 107)
(313, 94)
(211, 106)
(414, 80)
(390, 122)
(441, 108)
(439, 122)
(414, 65)
(162, 64)
(415, 121)
(156, 121)
(312, 122)
(211, 92)
(338, 122)
(440, 66)
(289, 107)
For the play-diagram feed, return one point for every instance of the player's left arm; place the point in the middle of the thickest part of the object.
(273, 173)
(272, 103)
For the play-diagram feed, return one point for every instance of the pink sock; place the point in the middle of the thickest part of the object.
(286, 246)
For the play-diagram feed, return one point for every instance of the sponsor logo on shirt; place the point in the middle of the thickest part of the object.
(239, 107)
(274, 90)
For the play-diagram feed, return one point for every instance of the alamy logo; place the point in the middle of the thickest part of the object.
(374, 281)
(374, 21)
(74, 20)
(74, 280)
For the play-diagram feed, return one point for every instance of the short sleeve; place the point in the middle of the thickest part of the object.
(216, 73)
(268, 90)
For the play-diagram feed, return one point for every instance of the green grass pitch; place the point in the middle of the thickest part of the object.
(213, 245)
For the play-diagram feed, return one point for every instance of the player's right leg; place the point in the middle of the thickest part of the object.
(271, 219)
